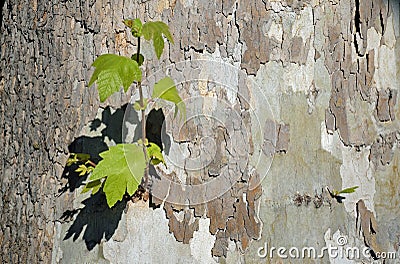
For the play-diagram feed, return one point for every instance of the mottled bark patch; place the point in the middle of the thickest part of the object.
(181, 223)
(382, 149)
(234, 217)
(367, 228)
(368, 14)
(352, 75)
(385, 105)
(252, 22)
(215, 179)
(276, 138)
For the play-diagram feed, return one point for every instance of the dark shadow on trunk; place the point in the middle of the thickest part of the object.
(97, 219)
(156, 131)
(88, 145)
(113, 128)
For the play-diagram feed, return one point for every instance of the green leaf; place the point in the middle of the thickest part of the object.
(82, 156)
(135, 26)
(72, 160)
(77, 157)
(165, 89)
(82, 169)
(93, 185)
(154, 153)
(135, 58)
(123, 165)
(112, 72)
(155, 30)
(349, 190)
(140, 142)
(137, 106)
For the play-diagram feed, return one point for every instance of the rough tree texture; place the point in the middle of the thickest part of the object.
(46, 50)
(317, 94)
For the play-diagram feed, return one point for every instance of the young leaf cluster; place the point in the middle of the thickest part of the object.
(123, 166)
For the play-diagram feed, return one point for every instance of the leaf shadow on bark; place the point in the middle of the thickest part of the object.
(100, 220)
(111, 127)
(95, 219)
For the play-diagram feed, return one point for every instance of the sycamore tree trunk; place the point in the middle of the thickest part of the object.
(46, 50)
(286, 100)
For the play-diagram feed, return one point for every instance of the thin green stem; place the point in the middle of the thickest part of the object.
(146, 172)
